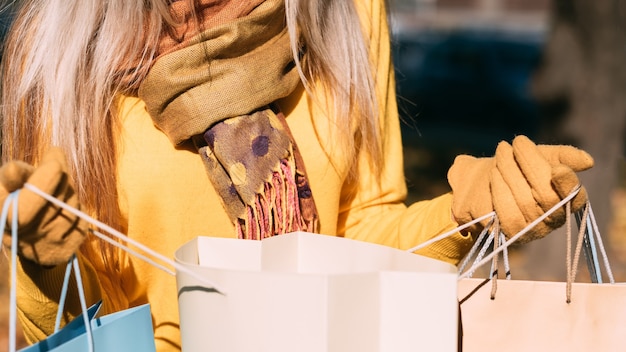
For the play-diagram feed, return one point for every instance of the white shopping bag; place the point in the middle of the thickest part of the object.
(309, 292)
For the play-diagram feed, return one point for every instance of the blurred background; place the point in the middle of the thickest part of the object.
(473, 72)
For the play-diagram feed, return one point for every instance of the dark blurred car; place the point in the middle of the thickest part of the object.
(466, 89)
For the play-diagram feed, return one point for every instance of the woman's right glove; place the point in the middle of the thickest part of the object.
(47, 234)
(521, 182)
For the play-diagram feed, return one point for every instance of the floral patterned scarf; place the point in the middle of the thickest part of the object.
(217, 87)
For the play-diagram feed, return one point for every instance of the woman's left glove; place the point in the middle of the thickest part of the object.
(47, 234)
(521, 182)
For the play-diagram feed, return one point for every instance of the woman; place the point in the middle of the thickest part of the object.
(187, 118)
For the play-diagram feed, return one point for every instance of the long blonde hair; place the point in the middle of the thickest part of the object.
(64, 58)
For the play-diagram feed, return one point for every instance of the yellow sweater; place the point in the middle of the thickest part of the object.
(166, 200)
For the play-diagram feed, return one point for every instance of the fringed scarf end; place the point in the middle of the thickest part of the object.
(276, 210)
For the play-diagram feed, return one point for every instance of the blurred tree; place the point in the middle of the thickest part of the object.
(581, 84)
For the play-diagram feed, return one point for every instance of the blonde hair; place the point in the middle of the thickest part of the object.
(337, 57)
(61, 76)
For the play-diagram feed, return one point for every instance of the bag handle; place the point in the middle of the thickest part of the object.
(73, 263)
(113, 232)
(589, 239)
(585, 240)
(484, 240)
(492, 215)
(62, 299)
(585, 233)
(522, 232)
(12, 202)
(591, 243)
(454, 231)
(495, 238)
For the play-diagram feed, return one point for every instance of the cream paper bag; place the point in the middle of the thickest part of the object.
(524, 315)
(309, 292)
(535, 316)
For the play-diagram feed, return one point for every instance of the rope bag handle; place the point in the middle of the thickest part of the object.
(150, 256)
(12, 202)
(589, 241)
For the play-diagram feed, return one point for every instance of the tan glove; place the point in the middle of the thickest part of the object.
(47, 234)
(521, 182)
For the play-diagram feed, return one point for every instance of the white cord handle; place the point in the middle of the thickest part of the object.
(520, 234)
(12, 201)
(127, 239)
(451, 232)
(503, 246)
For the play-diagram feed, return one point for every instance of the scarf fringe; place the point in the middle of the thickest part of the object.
(276, 210)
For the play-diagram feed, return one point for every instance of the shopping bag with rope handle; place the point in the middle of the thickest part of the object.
(499, 313)
(127, 330)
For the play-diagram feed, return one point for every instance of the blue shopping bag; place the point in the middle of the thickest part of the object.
(128, 330)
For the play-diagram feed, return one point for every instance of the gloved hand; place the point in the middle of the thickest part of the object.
(521, 182)
(47, 234)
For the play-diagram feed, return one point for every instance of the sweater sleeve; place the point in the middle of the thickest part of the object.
(373, 209)
(39, 290)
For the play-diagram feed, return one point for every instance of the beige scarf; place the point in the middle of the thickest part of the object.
(216, 88)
